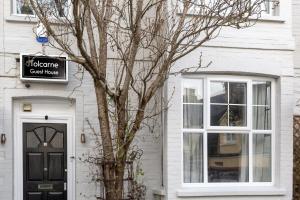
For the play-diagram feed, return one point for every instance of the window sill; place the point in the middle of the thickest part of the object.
(28, 19)
(22, 19)
(269, 18)
(263, 18)
(159, 192)
(231, 191)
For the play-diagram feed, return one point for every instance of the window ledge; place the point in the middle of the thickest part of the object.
(28, 19)
(231, 191)
(22, 18)
(159, 192)
(278, 19)
(263, 18)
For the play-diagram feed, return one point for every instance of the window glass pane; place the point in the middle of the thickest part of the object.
(261, 117)
(228, 161)
(262, 158)
(33, 140)
(58, 140)
(237, 115)
(192, 115)
(193, 91)
(40, 132)
(266, 6)
(219, 115)
(218, 92)
(262, 93)
(237, 93)
(55, 8)
(193, 157)
(49, 133)
(23, 7)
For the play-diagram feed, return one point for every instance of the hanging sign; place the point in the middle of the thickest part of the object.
(43, 68)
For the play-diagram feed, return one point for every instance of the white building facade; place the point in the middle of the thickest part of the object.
(228, 133)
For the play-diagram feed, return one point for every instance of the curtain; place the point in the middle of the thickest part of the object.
(262, 105)
(244, 161)
(193, 157)
(262, 158)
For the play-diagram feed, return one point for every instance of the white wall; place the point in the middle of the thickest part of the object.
(16, 36)
(265, 50)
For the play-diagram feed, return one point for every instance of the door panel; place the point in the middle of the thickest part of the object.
(35, 166)
(45, 161)
(56, 166)
(34, 196)
(55, 196)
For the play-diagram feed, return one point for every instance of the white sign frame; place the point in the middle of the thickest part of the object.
(66, 80)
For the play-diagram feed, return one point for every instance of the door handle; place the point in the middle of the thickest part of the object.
(65, 186)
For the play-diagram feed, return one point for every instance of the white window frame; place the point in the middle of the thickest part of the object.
(273, 6)
(14, 10)
(241, 130)
(264, 15)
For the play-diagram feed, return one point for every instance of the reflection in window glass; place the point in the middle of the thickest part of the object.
(218, 92)
(219, 115)
(193, 91)
(262, 161)
(23, 7)
(227, 162)
(224, 111)
(193, 157)
(56, 8)
(237, 116)
(237, 93)
(193, 103)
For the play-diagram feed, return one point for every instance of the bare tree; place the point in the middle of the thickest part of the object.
(145, 38)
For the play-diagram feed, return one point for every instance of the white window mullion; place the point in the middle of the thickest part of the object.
(206, 120)
(249, 121)
(228, 115)
(273, 125)
(250, 157)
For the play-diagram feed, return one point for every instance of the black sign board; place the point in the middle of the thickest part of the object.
(44, 68)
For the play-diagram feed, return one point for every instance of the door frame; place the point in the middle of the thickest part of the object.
(18, 150)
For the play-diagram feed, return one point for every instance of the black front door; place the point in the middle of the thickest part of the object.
(45, 161)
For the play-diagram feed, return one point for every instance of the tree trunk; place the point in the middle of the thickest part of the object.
(108, 153)
(113, 168)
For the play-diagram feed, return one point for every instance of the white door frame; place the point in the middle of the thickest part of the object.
(18, 150)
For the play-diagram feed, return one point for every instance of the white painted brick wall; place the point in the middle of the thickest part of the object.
(265, 62)
(266, 48)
